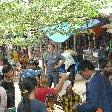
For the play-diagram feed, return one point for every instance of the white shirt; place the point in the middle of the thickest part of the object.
(91, 77)
(68, 59)
(3, 98)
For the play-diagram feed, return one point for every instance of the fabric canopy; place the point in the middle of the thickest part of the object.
(65, 27)
(90, 23)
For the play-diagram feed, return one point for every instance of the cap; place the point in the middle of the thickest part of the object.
(29, 73)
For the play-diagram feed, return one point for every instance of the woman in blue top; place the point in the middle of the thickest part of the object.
(29, 103)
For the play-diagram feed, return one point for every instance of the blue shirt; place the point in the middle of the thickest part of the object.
(35, 106)
(98, 95)
(53, 59)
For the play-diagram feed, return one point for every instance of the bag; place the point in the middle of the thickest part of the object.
(99, 110)
(11, 109)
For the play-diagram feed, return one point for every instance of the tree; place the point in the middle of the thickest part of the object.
(17, 17)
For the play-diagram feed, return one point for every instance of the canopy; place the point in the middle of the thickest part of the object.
(65, 27)
(90, 23)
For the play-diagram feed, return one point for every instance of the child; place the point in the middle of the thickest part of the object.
(70, 99)
(8, 85)
(29, 103)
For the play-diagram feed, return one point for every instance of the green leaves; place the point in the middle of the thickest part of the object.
(38, 14)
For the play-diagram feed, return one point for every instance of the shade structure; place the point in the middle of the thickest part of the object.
(89, 24)
(57, 37)
(65, 27)
(60, 30)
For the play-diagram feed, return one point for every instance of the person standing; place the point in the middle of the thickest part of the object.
(53, 61)
(3, 99)
(102, 55)
(29, 103)
(70, 99)
(98, 90)
(8, 85)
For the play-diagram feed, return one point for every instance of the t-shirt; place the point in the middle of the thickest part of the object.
(42, 92)
(35, 106)
(10, 90)
(3, 99)
(53, 59)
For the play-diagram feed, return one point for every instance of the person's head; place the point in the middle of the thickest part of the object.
(69, 89)
(5, 62)
(32, 64)
(51, 47)
(87, 68)
(18, 66)
(108, 65)
(8, 72)
(43, 82)
(102, 47)
(27, 87)
(107, 68)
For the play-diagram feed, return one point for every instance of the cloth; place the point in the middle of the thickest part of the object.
(15, 56)
(3, 99)
(29, 73)
(69, 102)
(63, 91)
(42, 92)
(52, 60)
(52, 77)
(10, 90)
(68, 59)
(102, 54)
(35, 106)
(98, 95)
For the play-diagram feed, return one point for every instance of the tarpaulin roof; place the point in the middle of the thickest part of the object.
(60, 37)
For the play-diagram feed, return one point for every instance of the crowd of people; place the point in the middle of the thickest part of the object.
(40, 93)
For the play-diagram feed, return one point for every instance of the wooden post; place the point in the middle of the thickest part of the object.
(41, 51)
(75, 43)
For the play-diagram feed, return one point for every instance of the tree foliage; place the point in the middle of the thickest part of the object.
(16, 17)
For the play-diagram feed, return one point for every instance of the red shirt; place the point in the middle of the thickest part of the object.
(42, 92)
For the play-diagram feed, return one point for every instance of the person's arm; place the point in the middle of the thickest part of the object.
(59, 86)
(61, 62)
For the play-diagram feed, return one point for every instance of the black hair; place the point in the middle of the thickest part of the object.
(6, 69)
(86, 64)
(104, 63)
(26, 86)
(5, 62)
(52, 44)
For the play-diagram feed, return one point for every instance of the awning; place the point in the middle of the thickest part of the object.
(90, 23)
(65, 27)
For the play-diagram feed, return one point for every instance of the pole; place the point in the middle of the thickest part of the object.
(41, 51)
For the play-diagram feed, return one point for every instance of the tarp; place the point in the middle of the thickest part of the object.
(65, 27)
(90, 23)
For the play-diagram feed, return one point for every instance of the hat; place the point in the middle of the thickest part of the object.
(29, 73)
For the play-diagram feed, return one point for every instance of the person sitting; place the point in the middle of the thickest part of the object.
(8, 85)
(70, 99)
(29, 103)
(3, 99)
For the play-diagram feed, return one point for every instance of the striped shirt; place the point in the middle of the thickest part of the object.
(69, 102)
